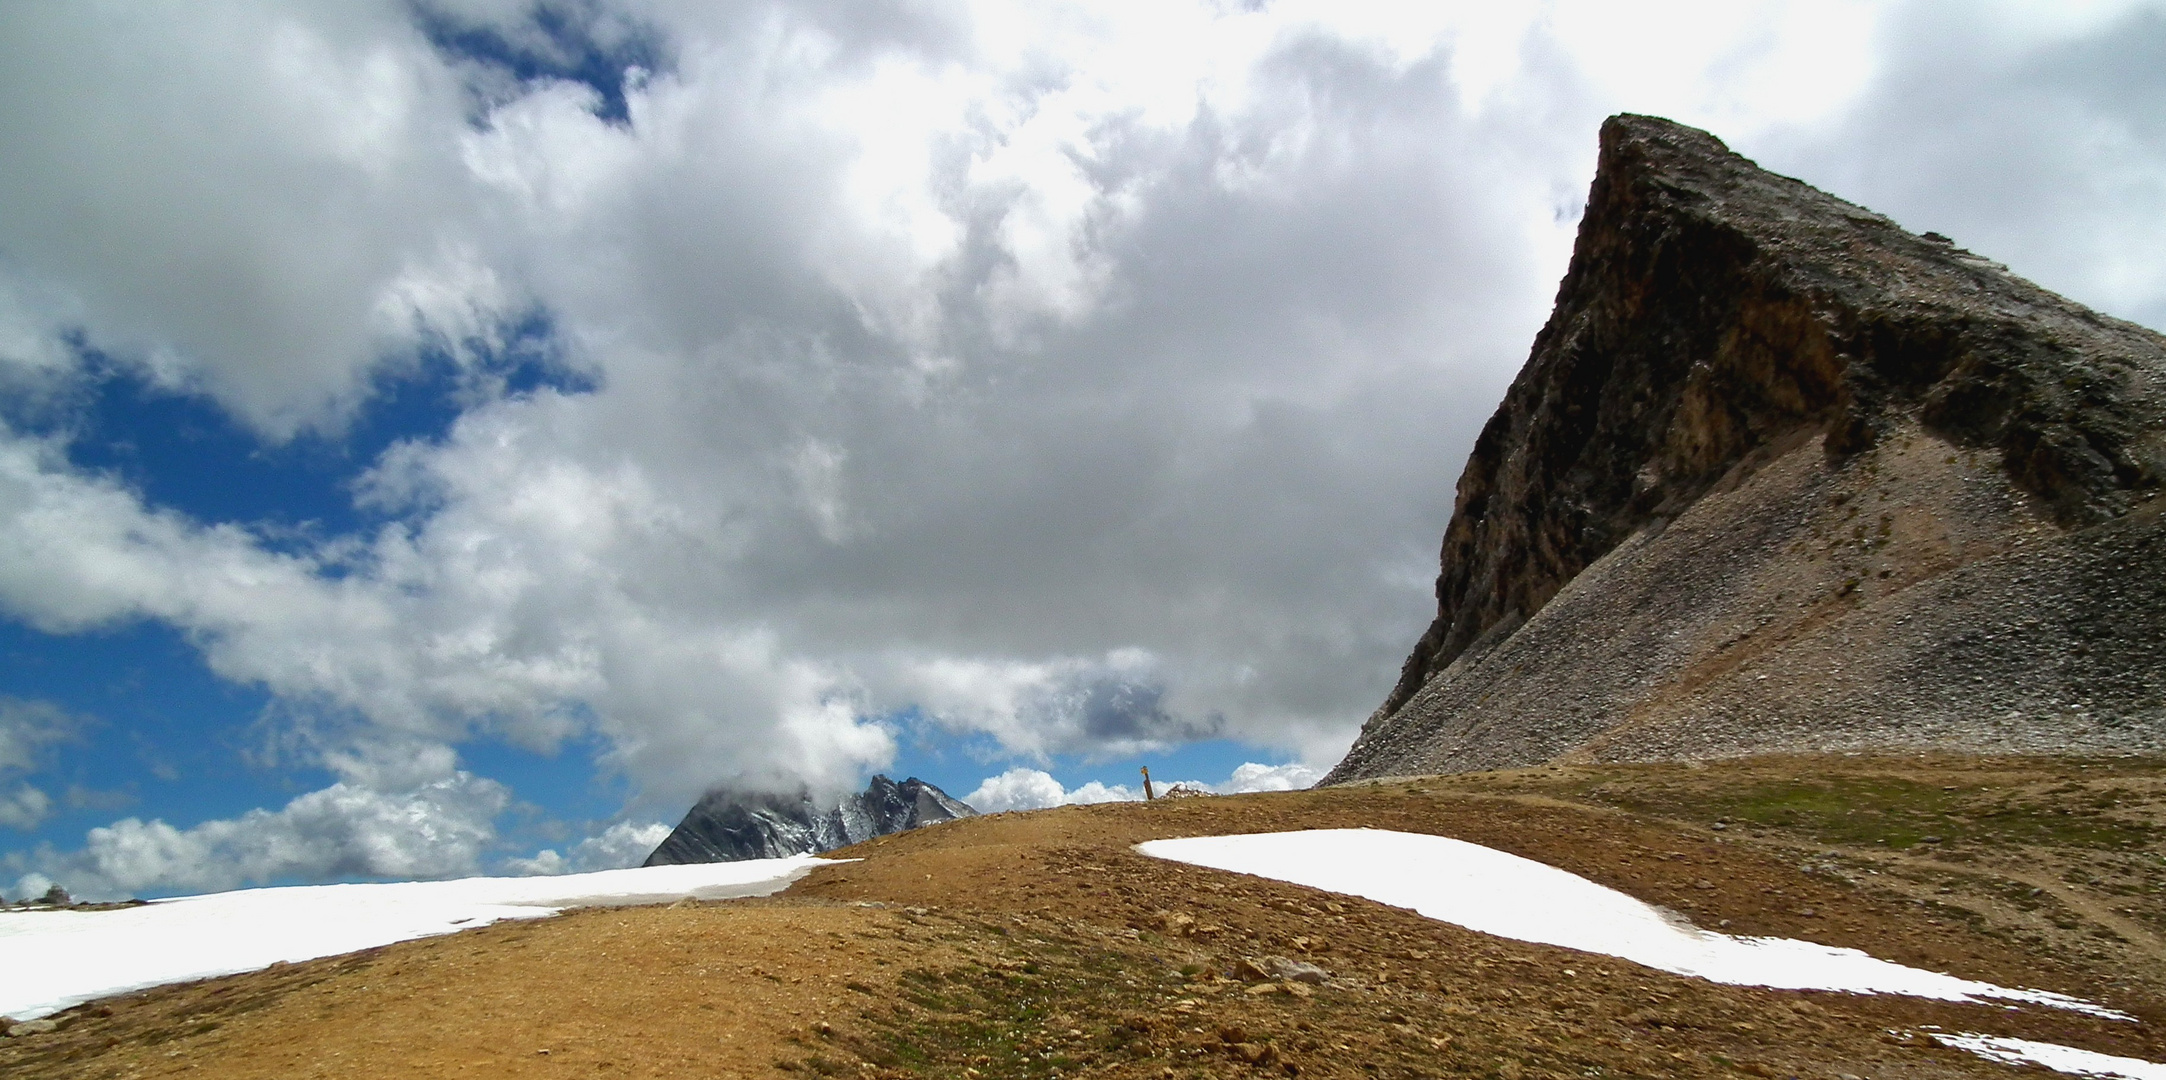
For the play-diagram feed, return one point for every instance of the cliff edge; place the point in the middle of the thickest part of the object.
(1781, 475)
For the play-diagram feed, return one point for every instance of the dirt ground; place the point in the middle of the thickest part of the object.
(1042, 945)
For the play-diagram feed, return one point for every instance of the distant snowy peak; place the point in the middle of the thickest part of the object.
(729, 826)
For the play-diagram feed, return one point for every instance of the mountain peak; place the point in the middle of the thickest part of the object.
(727, 826)
(1761, 414)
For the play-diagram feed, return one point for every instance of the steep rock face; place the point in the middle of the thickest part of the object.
(1779, 474)
(726, 827)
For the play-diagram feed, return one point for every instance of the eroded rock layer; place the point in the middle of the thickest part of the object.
(1779, 474)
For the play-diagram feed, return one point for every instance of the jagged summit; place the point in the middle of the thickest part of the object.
(725, 826)
(1779, 474)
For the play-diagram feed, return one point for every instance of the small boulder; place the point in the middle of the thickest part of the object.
(1172, 923)
(1295, 971)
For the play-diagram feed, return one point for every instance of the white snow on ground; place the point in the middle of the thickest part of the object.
(1498, 893)
(2066, 1059)
(50, 960)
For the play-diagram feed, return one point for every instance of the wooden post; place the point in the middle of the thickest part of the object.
(1148, 794)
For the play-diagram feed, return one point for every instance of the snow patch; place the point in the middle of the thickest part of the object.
(2062, 1059)
(1498, 893)
(55, 959)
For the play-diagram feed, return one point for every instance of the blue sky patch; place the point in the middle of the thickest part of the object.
(183, 452)
(154, 730)
(566, 40)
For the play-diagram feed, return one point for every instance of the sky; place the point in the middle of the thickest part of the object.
(442, 437)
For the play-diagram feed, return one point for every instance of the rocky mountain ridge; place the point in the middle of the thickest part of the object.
(1781, 475)
(726, 826)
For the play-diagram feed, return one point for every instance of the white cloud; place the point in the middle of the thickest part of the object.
(24, 807)
(1034, 789)
(1098, 792)
(1252, 776)
(1089, 377)
(1017, 789)
(2032, 136)
(248, 200)
(32, 886)
(622, 844)
(1737, 67)
(1024, 788)
(436, 830)
(27, 729)
(1110, 706)
(33, 357)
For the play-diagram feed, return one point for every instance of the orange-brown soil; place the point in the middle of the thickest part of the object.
(1042, 945)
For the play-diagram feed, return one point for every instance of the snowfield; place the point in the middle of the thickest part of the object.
(2064, 1059)
(50, 960)
(1495, 892)
(1498, 893)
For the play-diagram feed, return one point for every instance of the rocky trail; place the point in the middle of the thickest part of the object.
(1042, 945)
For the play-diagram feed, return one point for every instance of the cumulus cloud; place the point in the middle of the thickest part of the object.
(877, 423)
(1253, 776)
(437, 830)
(1034, 789)
(1024, 788)
(263, 202)
(622, 844)
(1017, 789)
(1090, 379)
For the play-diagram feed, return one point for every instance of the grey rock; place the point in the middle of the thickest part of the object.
(1298, 971)
(728, 826)
(32, 1027)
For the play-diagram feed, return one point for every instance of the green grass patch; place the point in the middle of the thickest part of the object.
(1888, 811)
(1025, 1016)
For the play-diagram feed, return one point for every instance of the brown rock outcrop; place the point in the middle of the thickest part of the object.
(1779, 474)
